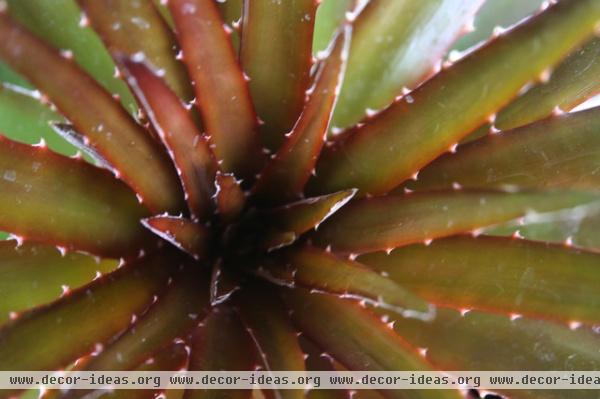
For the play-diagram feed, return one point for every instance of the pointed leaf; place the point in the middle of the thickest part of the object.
(183, 305)
(286, 174)
(499, 274)
(288, 222)
(24, 118)
(111, 131)
(330, 15)
(50, 198)
(221, 91)
(387, 222)
(560, 151)
(427, 122)
(483, 341)
(33, 274)
(272, 332)
(323, 272)
(190, 237)
(229, 196)
(52, 336)
(60, 23)
(77, 140)
(223, 283)
(221, 343)
(357, 339)
(138, 29)
(276, 55)
(571, 83)
(189, 150)
(388, 53)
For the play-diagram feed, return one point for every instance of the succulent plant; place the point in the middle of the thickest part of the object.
(243, 204)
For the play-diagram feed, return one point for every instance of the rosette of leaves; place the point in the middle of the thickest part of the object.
(242, 204)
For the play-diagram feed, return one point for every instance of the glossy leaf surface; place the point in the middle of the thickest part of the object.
(221, 343)
(229, 196)
(343, 336)
(387, 222)
(385, 55)
(556, 152)
(276, 55)
(427, 122)
(285, 176)
(136, 28)
(499, 274)
(111, 131)
(51, 198)
(33, 274)
(52, 336)
(189, 151)
(189, 236)
(60, 23)
(222, 94)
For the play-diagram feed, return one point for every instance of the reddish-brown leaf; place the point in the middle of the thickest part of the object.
(190, 152)
(285, 176)
(191, 237)
(221, 91)
(135, 156)
(229, 196)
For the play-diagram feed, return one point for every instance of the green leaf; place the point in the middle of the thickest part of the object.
(229, 196)
(190, 237)
(231, 12)
(499, 274)
(571, 83)
(137, 29)
(52, 336)
(383, 223)
(59, 23)
(561, 151)
(330, 15)
(175, 313)
(188, 149)
(34, 274)
(396, 44)
(222, 93)
(50, 198)
(396, 143)
(24, 118)
(272, 332)
(484, 341)
(130, 149)
(288, 222)
(320, 271)
(285, 176)
(357, 338)
(221, 343)
(276, 54)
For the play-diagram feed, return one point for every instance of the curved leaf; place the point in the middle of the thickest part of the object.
(193, 158)
(387, 222)
(182, 306)
(357, 339)
(190, 237)
(561, 151)
(229, 196)
(51, 336)
(276, 54)
(272, 332)
(320, 271)
(329, 17)
(396, 143)
(221, 343)
(499, 274)
(60, 23)
(222, 94)
(50, 198)
(284, 177)
(483, 341)
(137, 158)
(33, 274)
(396, 44)
(135, 29)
